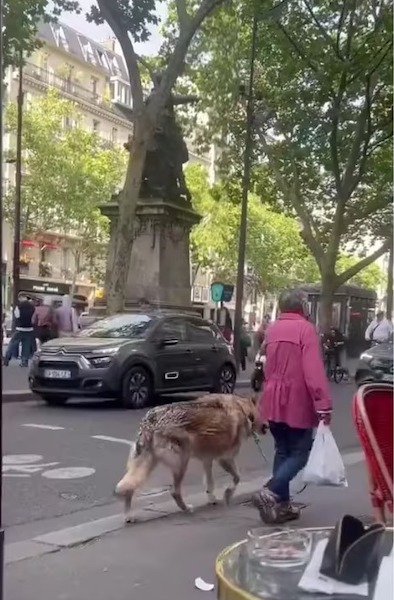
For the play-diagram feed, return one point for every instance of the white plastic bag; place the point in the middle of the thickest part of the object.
(325, 465)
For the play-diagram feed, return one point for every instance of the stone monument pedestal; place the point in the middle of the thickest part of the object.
(159, 270)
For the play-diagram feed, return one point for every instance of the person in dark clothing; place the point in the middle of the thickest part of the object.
(333, 342)
(24, 332)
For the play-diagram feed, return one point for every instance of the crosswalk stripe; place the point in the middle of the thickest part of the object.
(108, 438)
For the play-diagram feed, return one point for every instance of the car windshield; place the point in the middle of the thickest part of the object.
(119, 326)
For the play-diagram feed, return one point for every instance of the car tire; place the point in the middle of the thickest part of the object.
(225, 380)
(137, 388)
(53, 400)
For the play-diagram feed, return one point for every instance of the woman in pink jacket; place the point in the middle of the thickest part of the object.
(294, 398)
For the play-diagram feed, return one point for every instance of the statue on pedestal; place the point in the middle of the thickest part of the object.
(163, 170)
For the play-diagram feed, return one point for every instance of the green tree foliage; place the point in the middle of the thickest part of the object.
(21, 18)
(322, 118)
(275, 255)
(68, 173)
(371, 277)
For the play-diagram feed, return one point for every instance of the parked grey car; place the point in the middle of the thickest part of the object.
(376, 365)
(133, 357)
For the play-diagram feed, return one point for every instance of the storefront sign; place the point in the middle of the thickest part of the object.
(43, 287)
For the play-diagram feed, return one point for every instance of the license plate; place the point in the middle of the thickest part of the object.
(57, 374)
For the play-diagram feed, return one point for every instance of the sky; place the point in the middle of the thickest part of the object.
(100, 32)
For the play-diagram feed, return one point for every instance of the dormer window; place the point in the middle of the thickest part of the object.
(102, 59)
(88, 51)
(115, 66)
(60, 36)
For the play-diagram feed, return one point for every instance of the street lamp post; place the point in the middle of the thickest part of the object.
(244, 201)
(1, 237)
(18, 189)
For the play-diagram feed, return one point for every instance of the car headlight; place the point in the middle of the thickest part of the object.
(36, 357)
(101, 361)
(366, 356)
(107, 351)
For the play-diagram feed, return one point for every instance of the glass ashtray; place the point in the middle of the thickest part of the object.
(282, 549)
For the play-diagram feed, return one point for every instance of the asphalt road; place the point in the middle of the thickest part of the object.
(65, 462)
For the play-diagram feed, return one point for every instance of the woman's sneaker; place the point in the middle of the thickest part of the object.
(267, 504)
(288, 512)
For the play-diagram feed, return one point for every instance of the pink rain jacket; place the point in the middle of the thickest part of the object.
(295, 387)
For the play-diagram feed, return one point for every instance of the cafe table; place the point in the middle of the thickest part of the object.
(234, 583)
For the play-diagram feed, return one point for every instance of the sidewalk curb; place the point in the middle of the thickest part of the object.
(27, 395)
(68, 537)
(86, 532)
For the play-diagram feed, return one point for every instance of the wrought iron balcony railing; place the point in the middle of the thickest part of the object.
(65, 84)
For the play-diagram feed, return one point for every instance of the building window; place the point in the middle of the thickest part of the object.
(112, 91)
(94, 82)
(96, 125)
(102, 59)
(114, 135)
(115, 66)
(88, 51)
(68, 122)
(60, 36)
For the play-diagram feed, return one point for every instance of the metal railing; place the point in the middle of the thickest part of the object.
(65, 84)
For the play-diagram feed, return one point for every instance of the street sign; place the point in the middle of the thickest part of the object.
(221, 292)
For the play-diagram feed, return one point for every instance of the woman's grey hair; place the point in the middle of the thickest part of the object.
(292, 300)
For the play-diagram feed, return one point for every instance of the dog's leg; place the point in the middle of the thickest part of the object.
(138, 470)
(178, 472)
(228, 465)
(207, 464)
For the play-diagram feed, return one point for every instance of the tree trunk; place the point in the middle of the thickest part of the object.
(117, 280)
(389, 301)
(326, 302)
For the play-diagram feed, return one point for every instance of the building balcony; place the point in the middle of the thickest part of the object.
(66, 85)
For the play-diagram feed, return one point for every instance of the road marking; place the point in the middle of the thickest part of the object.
(29, 469)
(21, 459)
(108, 438)
(69, 473)
(39, 426)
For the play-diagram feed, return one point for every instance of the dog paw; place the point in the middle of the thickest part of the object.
(212, 500)
(228, 494)
(130, 519)
(189, 508)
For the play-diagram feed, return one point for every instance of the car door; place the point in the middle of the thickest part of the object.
(206, 350)
(174, 357)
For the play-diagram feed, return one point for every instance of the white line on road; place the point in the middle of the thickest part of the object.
(39, 426)
(15, 475)
(108, 438)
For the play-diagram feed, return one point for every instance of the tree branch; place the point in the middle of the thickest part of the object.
(111, 13)
(334, 130)
(320, 27)
(176, 62)
(299, 50)
(363, 263)
(291, 191)
(183, 15)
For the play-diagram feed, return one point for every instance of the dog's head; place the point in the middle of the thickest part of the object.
(249, 409)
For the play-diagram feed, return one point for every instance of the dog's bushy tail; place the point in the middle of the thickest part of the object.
(140, 463)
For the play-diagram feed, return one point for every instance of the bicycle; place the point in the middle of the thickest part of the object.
(334, 372)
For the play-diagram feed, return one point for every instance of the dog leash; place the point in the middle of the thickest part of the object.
(257, 442)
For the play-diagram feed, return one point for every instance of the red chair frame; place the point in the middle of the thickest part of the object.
(379, 458)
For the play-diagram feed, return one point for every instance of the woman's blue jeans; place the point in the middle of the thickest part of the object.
(292, 448)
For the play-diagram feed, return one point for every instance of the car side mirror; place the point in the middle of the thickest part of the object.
(168, 342)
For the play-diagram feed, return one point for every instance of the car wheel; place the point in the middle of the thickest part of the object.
(53, 400)
(225, 382)
(137, 388)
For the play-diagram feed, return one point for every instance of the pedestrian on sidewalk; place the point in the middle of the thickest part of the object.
(66, 318)
(24, 332)
(44, 320)
(379, 330)
(245, 343)
(295, 396)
